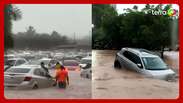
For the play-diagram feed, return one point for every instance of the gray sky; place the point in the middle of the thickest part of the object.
(63, 18)
(120, 7)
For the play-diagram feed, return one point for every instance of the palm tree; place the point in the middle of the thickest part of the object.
(11, 12)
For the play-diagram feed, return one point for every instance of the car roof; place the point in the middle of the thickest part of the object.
(45, 59)
(70, 60)
(141, 52)
(16, 59)
(27, 66)
(88, 58)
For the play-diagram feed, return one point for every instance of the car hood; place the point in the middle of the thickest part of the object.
(160, 74)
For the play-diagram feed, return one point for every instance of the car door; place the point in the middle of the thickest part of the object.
(39, 78)
(136, 63)
(47, 80)
(124, 59)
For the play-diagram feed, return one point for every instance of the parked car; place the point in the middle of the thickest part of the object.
(143, 61)
(86, 72)
(27, 77)
(49, 63)
(9, 56)
(85, 61)
(71, 64)
(13, 62)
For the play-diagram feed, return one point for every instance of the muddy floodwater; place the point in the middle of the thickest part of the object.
(79, 88)
(108, 82)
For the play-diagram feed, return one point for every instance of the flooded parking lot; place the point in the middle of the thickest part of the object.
(124, 84)
(79, 88)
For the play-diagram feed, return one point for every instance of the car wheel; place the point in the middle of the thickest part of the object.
(35, 86)
(117, 64)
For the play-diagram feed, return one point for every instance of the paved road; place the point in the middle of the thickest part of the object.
(124, 84)
(79, 88)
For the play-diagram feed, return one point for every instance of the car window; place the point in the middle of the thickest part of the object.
(40, 72)
(37, 72)
(9, 62)
(21, 61)
(18, 62)
(154, 63)
(132, 57)
(18, 70)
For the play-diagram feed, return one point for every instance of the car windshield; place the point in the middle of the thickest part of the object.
(85, 61)
(9, 62)
(154, 63)
(18, 70)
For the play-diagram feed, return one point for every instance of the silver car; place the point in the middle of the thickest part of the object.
(27, 77)
(143, 61)
(14, 62)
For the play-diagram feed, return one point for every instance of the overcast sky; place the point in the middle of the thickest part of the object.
(63, 18)
(66, 19)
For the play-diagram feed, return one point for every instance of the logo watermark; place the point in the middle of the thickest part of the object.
(170, 12)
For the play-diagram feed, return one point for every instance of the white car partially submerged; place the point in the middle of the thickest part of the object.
(14, 62)
(32, 76)
(144, 62)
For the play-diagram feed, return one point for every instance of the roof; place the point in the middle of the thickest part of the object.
(15, 58)
(88, 58)
(27, 66)
(141, 52)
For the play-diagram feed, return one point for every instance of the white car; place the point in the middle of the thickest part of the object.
(24, 76)
(49, 62)
(85, 61)
(86, 73)
(143, 61)
(14, 62)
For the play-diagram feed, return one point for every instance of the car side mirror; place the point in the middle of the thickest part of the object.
(139, 65)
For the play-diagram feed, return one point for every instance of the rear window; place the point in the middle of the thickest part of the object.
(9, 62)
(70, 63)
(85, 61)
(18, 70)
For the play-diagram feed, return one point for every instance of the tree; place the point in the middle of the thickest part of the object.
(10, 13)
(136, 28)
(101, 14)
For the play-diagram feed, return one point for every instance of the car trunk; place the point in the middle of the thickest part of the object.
(14, 78)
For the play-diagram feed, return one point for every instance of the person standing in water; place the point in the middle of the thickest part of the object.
(62, 77)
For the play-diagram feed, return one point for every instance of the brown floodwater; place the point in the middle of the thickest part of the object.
(108, 82)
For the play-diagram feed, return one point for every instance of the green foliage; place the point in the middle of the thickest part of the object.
(33, 40)
(8, 17)
(135, 28)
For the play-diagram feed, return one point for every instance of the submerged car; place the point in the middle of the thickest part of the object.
(143, 61)
(86, 72)
(27, 77)
(13, 62)
(85, 61)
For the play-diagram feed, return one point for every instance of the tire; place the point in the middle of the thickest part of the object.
(117, 64)
(35, 86)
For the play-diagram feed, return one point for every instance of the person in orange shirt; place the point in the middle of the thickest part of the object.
(62, 77)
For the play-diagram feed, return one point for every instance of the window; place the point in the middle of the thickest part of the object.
(40, 72)
(154, 63)
(37, 72)
(18, 70)
(132, 57)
